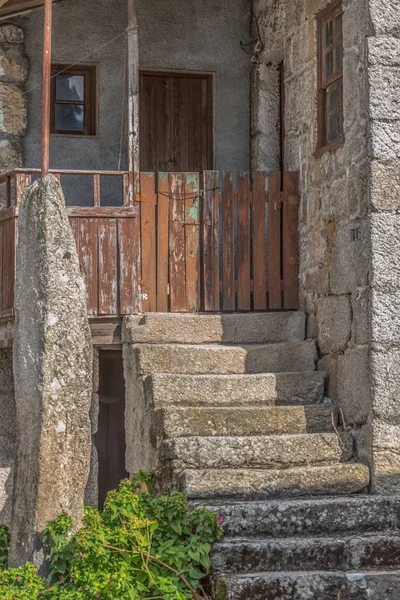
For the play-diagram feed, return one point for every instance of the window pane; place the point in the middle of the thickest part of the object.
(333, 127)
(329, 63)
(70, 87)
(339, 59)
(338, 28)
(70, 117)
(329, 34)
(332, 97)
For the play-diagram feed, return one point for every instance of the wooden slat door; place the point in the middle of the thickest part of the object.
(176, 122)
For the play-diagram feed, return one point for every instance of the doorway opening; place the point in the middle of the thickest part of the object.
(110, 439)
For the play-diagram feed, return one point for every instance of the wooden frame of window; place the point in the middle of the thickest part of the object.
(89, 101)
(330, 76)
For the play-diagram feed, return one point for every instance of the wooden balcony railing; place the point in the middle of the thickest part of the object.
(206, 242)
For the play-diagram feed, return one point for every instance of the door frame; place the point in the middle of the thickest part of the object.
(192, 73)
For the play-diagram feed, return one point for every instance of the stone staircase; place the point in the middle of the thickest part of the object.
(232, 410)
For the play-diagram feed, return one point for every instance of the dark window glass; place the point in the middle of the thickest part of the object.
(74, 100)
(70, 87)
(330, 74)
(70, 117)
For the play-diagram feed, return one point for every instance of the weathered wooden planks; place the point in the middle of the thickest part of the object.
(290, 216)
(232, 246)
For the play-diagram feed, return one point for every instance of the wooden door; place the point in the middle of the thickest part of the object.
(176, 122)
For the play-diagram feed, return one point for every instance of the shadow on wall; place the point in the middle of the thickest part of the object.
(7, 436)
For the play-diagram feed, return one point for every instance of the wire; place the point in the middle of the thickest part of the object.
(79, 61)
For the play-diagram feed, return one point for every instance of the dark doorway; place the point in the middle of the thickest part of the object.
(110, 438)
(176, 121)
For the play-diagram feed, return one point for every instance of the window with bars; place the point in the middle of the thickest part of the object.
(330, 75)
(73, 100)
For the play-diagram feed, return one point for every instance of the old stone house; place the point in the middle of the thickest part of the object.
(246, 328)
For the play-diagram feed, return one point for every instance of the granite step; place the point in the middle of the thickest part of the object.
(310, 517)
(256, 358)
(341, 553)
(251, 328)
(265, 452)
(235, 390)
(254, 484)
(323, 585)
(245, 421)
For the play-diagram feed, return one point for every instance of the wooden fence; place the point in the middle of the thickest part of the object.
(193, 242)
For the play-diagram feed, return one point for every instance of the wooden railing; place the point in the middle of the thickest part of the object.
(192, 242)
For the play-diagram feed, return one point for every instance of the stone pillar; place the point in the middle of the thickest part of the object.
(53, 372)
(14, 69)
(383, 45)
(7, 435)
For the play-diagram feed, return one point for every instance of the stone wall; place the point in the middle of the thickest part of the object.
(13, 104)
(383, 45)
(334, 226)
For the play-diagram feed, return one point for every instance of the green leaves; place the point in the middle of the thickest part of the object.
(139, 547)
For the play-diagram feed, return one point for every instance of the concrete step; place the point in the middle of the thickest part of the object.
(376, 585)
(320, 516)
(345, 478)
(372, 551)
(245, 421)
(258, 452)
(235, 390)
(189, 359)
(161, 328)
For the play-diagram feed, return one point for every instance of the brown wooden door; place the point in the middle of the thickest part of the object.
(176, 122)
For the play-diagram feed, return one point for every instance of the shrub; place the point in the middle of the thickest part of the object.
(138, 547)
(4, 546)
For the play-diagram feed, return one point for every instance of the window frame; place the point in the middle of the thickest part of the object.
(330, 13)
(89, 73)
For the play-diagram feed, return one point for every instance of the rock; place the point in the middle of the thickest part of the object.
(10, 34)
(13, 109)
(14, 66)
(53, 363)
(334, 323)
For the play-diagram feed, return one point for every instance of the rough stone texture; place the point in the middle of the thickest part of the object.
(317, 516)
(351, 553)
(334, 227)
(92, 487)
(253, 328)
(7, 436)
(353, 377)
(246, 421)
(306, 481)
(383, 585)
(14, 67)
(186, 359)
(231, 390)
(334, 323)
(53, 364)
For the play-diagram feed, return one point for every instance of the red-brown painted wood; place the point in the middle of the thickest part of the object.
(244, 242)
(274, 242)
(162, 243)
(149, 241)
(210, 241)
(290, 241)
(259, 270)
(177, 246)
(228, 249)
(192, 250)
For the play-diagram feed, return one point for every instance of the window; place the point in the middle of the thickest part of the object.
(330, 75)
(73, 100)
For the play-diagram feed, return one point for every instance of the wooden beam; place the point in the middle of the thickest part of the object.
(133, 147)
(14, 7)
(133, 98)
(48, 18)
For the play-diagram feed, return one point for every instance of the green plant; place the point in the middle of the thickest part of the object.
(139, 547)
(4, 546)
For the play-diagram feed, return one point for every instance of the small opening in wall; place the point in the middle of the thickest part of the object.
(110, 439)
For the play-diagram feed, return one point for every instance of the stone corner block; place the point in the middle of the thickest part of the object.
(354, 385)
(350, 257)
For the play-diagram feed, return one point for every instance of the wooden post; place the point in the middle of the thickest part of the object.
(133, 101)
(48, 17)
(133, 147)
